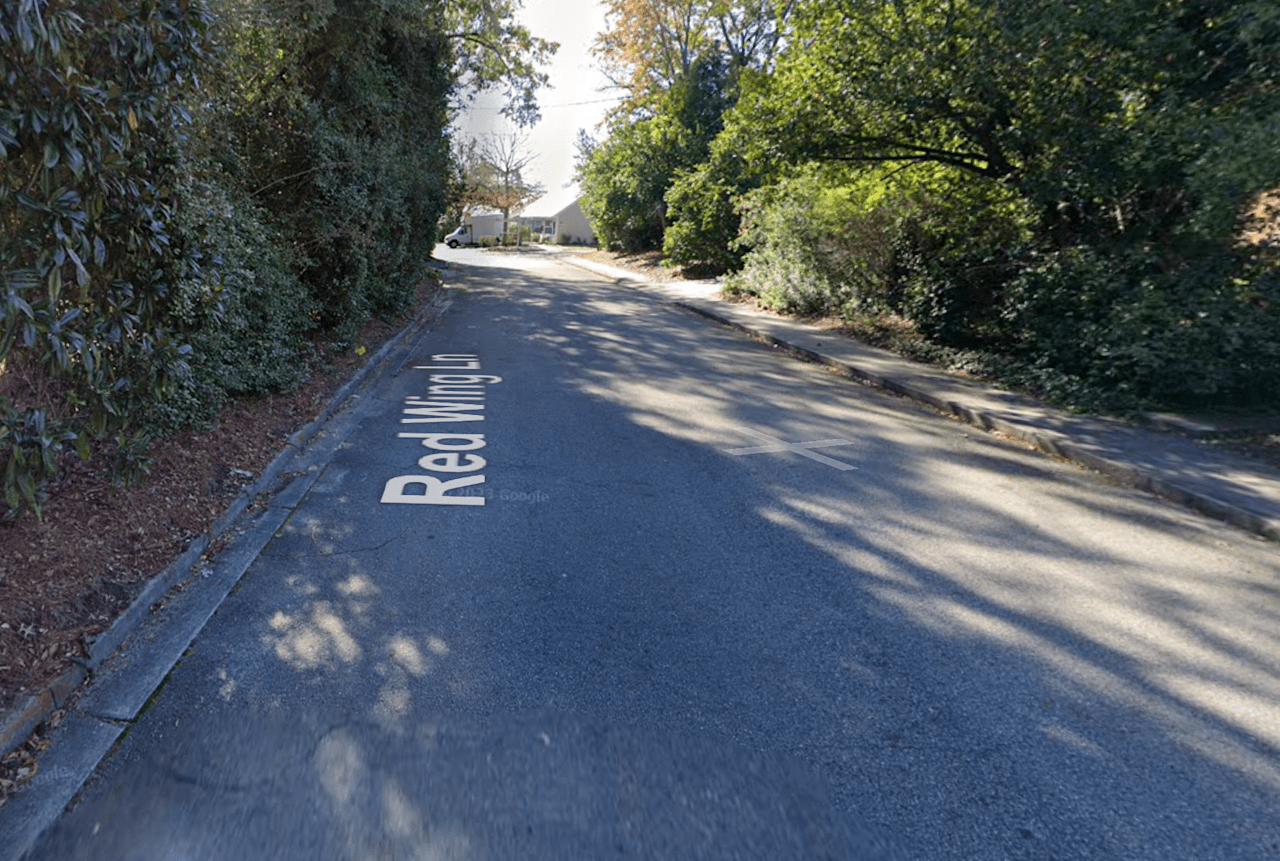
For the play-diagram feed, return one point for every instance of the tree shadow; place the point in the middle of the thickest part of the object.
(676, 652)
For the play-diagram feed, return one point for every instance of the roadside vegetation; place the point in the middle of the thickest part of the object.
(198, 196)
(1067, 196)
(489, 173)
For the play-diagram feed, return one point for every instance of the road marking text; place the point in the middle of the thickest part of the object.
(450, 397)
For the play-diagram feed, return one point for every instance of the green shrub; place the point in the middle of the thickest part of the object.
(343, 146)
(91, 132)
(242, 307)
(189, 200)
(625, 180)
(1138, 324)
(821, 241)
(702, 206)
(954, 249)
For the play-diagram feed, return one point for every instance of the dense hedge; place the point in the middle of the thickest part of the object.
(1059, 189)
(91, 132)
(1192, 321)
(192, 192)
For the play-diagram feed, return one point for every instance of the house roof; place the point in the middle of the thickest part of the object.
(553, 203)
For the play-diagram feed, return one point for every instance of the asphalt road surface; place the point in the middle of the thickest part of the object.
(592, 577)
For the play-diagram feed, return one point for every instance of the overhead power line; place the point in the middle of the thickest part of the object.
(564, 105)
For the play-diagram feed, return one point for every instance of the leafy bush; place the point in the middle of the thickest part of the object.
(822, 241)
(625, 181)
(1083, 219)
(188, 199)
(702, 206)
(1130, 323)
(1091, 325)
(342, 145)
(954, 250)
(175, 227)
(242, 307)
(90, 143)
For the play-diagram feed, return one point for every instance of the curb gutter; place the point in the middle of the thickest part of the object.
(1249, 508)
(1047, 441)
(17, 723)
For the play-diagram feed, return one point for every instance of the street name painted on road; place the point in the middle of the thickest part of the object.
(451, 397)
(800, 448)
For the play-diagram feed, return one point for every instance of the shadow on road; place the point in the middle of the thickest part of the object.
(960, 645)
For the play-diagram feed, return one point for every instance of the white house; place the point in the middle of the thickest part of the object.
(558, 217)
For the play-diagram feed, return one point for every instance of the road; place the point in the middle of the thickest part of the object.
(649, 589)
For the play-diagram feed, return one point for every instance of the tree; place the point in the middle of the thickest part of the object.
(649, 45)
(703, 210)
(752, 32)
(701, 196)
(680, 62)
(91, 129)
(498, 176)
(189, 188)
(626, 178)
(491, 48)
(1130, 137)
(464, 177)
(1090, 108)
(584, 147)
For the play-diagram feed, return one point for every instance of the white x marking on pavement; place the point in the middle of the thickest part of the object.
(800, 448)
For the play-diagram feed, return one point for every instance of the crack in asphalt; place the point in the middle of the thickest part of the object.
(332, 554)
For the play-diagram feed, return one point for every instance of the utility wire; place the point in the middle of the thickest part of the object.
(565, 105)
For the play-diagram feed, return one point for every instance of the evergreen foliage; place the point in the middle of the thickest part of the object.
(194, 192)
(626, 179)
(657, 182)
(92, 127)
(1063, 187)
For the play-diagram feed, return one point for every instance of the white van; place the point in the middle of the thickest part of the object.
(462, 236)
(475, 229)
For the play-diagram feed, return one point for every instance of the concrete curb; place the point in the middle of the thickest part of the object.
(614, 273)
(19, 722)
(1049, 441)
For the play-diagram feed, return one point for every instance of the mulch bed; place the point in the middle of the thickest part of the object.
(66, 576)
(646, 263)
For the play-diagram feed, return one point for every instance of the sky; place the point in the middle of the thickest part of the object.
(577, 97)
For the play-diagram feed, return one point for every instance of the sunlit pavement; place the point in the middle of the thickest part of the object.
(660, 627)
